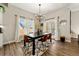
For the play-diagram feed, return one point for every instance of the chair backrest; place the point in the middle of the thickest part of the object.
(26, 39)
(44, 38)
(50, 36)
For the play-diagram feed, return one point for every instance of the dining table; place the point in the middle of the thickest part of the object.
(33, 38)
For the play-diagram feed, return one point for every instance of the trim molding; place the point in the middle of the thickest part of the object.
(8, 42)
(70, 21)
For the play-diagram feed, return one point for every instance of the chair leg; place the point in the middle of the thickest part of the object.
(37, 48)
(27, 48)
(43, 45)
(46, 45)
(24, 43)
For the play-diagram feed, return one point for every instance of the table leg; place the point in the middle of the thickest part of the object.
(33, 50)
(50, 39)
(24, 43)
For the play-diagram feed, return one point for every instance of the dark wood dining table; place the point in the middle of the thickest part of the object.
(33, 38)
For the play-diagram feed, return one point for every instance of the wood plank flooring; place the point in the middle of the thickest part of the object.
(13, 49)
(63, 49)
(56, 49)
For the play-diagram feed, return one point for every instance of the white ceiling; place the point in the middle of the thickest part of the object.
(34, 8)
(45, 7)
(74, 7)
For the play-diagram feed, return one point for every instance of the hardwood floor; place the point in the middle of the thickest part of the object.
(13, 49)
(56, 49)
(63, 49)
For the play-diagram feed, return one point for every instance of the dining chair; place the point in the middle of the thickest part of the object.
(43, 41)
(49, 38)
(27, 45)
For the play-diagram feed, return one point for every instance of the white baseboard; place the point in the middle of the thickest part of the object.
(68, 41)
(8, 42)
(11, 42)
(1, 46)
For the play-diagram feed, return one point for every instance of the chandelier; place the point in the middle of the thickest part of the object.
(40, 17)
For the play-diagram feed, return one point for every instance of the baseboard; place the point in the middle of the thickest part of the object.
(9, 42)
(1, 46)
(68, 41)
(74, 38)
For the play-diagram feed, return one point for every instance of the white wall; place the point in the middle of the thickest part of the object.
(1, 16)
(75, 23)
(64, 14)
(1, 34)
(10, 22)
(48, 24)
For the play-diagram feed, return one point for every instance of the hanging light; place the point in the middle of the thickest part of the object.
(39, 13)
(40, 17)
(39, 9)
(1, 26)
(2, 9)
(63, 22)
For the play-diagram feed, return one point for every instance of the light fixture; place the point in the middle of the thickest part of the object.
(2, 9)
(40, 17)
(39, 10)
(63, 22)
(1, 26)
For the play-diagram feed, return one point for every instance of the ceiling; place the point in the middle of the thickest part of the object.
(34, 8)
(74, 7)
(45, 7)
